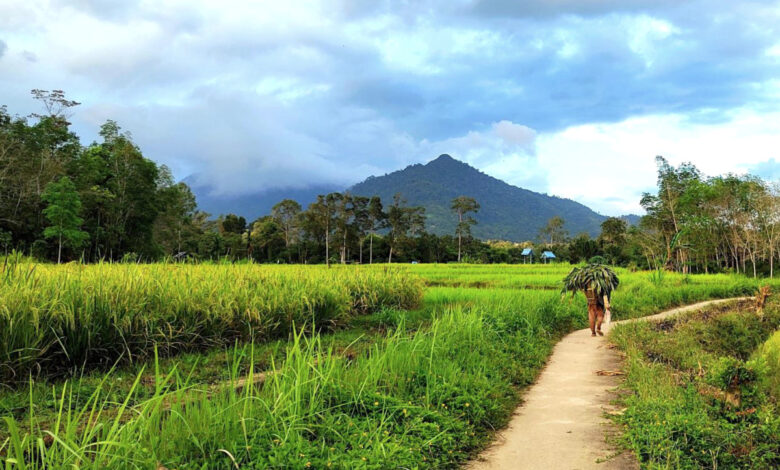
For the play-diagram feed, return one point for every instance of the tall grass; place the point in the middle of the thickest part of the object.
(58, 318)
(698, 398)
(422, 397)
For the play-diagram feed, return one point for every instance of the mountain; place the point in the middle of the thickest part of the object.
(507, 212)
(255, 204)
(631, 219)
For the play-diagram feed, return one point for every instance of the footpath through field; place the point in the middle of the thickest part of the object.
(561, 423)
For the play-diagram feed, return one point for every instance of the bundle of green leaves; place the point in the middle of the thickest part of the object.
(597, 277)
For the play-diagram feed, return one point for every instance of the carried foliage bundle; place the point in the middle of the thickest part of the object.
(598, 277)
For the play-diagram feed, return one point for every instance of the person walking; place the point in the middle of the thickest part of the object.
(597, 282)
(598, 309)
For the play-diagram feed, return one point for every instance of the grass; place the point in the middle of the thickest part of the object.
(60, 319)
(704, 389)
(419, 388)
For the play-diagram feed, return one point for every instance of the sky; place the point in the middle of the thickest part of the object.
(567, 97)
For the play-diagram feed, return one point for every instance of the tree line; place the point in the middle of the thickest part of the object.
(700, 224)
(694, 224)
(61, 200)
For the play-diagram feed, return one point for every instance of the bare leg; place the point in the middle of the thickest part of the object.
(592, 320)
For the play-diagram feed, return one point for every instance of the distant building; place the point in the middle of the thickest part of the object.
(547, 256)
(528, 255)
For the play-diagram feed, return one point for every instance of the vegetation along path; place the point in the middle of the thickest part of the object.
(562, 423)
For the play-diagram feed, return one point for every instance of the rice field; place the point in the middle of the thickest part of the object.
(55, 319)
(220, 366)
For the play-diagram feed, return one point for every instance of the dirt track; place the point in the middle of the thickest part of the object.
(561, 423)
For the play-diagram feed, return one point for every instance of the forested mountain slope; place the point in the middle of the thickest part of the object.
(507, 212)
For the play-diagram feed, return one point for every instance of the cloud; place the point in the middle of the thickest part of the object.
(505, 150)
(3, 48)
(537, 8)
(768, 170)
(251, 96)
(609, 165)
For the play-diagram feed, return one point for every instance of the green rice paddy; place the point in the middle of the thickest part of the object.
(247, 366)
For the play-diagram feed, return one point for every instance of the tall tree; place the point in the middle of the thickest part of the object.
(670, 209)
(319, 219)
(268, 237)
(31, 156)
(62, 212)
(403, 221)
(462, 206)
(344, 212)
(613, 238)
(768, 222)
(378, 221)
(554, 230)
(174, 226)
(287, 215)
(362, 222)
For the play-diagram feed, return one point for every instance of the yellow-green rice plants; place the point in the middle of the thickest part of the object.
(57, 318)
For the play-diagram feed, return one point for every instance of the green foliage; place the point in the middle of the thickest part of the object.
(62, 212)
(462, 206)
(554, 230)
(697, 401)
(723, 222)
(403, 222)
(767, 357)
(421, 388)
(508, 212)
(127, 202)
(232, 223)
(597, 277)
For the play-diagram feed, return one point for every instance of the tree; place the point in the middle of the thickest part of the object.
(378, 220)
(344, 210)
(5, 240)
(55, 105)
(286, 214)
(124, 199)
(232, 223)
(32, 154)
(582, 248)
(670, 209)
(769, 222)
(554, 230)
(403, 221)
(174, 226)
(362, 222)
(319, 219)
(268, 237)
(613, 231)
(613, 238)
(462, 206)
(62, 213)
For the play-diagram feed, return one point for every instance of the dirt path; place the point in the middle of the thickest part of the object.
(561, 423)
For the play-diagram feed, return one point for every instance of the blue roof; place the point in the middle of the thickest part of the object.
(548, 254)
(526, 252)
